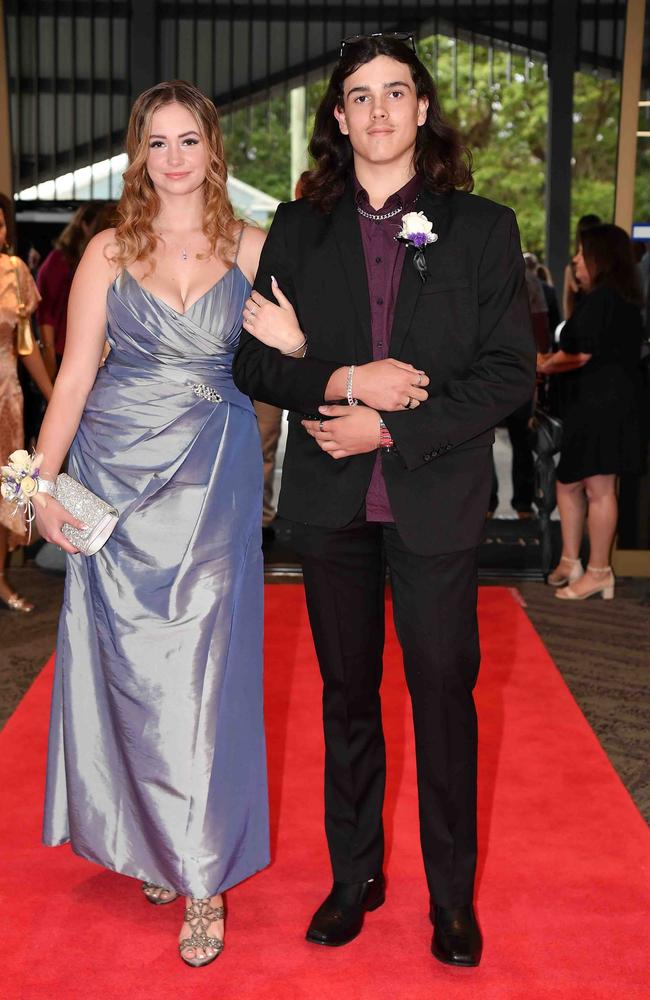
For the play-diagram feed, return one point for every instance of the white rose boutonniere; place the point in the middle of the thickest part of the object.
(417, 232)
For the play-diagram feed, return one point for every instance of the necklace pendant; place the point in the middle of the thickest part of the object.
(184, 253)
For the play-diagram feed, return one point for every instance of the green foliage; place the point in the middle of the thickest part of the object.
(258, 146)
(503, 119)
(499, 104)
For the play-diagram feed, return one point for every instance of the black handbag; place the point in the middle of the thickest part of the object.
(546, 434)
(545, 443)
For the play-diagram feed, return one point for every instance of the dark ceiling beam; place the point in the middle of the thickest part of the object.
(68, 8)
(308, 11)
(70, 85)
(47, 165)
(314, 12)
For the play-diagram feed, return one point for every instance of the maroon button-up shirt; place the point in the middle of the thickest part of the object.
(384, 261)
(54, 281)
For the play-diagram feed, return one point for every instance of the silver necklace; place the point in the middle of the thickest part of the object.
(183, 250)
(379, 218)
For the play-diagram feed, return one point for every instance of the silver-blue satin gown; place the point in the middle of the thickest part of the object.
(156, 763)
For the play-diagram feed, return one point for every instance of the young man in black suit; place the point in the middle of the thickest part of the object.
(424, 321)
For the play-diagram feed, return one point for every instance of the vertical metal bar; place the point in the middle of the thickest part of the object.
(267, 39)
(287, 42)
(55, 90)
(195, 44)
(305, 60)
(109, 150)
(325, 22)
(491, 47)
(231, 63)
(436, 41)
(454, 56)
(91, 95)
(472, 46)
(36, 98)
(18, 135)
(73, 96)
(511, 24)
(251, 40)
(614, 52)
(143, 63)
(629, 114)
(213, 51)
(177, 40)
(596, 37)
(8, 174)
(562, 65)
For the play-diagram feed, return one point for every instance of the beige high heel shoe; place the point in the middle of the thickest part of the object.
(605, 588)
(15, 602)
(557, 578)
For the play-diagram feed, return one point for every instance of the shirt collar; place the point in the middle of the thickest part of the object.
(404, 198)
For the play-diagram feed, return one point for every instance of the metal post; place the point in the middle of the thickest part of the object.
(629, 117)
(6, 182)
(297, 99)
(561, 67)
(144, 36)
(634, 492)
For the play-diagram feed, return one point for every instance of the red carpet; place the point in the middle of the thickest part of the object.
(564, 895)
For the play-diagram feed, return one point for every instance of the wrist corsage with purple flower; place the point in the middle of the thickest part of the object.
(19, 481)
(417, 232)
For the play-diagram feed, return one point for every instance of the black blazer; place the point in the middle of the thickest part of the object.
(468, 326)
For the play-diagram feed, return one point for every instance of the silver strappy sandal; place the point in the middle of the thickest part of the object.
(154, 893)
(199, 915)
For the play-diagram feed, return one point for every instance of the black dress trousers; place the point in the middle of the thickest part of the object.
(434, 600)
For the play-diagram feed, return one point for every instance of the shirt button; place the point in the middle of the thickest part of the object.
(377, 260)
(380, 343)
(380, 302)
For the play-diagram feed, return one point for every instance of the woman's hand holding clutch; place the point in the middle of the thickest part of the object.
(50, 518)
(274, 325)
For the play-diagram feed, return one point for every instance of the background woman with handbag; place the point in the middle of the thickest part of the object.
(156, 763)
(599, 383)
(18, 300)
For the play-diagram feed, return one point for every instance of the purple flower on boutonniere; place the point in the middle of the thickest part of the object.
(417, 232)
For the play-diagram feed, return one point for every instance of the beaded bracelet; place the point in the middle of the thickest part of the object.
(385, 439)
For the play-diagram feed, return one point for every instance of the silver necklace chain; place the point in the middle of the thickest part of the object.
(379, 218)
(183, 250)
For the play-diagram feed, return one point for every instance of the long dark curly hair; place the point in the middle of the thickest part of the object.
(440, 157)
(608, 254)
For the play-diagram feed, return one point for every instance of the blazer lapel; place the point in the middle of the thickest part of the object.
(435, 207)
(348, 237)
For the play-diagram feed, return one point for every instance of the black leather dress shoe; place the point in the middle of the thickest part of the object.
(340, 918)
(457, 936)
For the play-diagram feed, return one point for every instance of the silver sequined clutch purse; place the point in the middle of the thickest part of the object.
(100, 516)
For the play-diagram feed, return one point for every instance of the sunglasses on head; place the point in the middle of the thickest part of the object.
(401, 36)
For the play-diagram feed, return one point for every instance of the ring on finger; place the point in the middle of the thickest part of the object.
(407, 404)
(320, 427)
(419, 380)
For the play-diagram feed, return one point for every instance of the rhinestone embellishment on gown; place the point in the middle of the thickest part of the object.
(204, 391)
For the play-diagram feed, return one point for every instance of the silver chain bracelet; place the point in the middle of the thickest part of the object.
(351, 400)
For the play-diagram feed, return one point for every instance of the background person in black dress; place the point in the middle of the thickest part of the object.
(600, 386)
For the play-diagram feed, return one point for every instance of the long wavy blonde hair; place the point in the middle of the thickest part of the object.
(139, 204)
